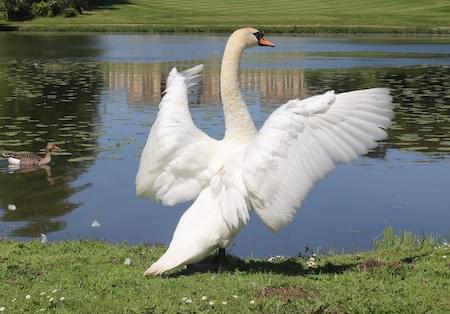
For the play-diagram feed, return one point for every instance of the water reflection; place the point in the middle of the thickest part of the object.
(44, 102)
(144, 83)
(97, 96)
(423, 115)
(39, 203)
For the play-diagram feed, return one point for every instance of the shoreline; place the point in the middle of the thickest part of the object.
(198, 29)
(400, 273)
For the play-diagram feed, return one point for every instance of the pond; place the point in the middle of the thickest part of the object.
(97, 95)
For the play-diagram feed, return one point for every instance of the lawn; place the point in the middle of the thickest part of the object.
(367, 16)
(400, 274)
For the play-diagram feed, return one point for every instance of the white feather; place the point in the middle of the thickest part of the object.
(331, 129)
(174, 162)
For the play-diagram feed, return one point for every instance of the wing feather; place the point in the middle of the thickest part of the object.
(303, 140)
(174, 164)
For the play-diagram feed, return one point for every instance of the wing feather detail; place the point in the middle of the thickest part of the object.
(174, 164)
(303, 140)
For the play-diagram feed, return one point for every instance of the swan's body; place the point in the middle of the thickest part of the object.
(29, 159)
(271, 171)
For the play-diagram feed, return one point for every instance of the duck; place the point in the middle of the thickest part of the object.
(269, 171)
(26, 159)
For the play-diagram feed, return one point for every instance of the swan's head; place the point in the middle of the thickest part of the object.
(252, 37)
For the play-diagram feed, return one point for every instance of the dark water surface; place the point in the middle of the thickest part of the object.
(97, 95)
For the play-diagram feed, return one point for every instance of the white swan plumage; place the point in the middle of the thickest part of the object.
(270, 171)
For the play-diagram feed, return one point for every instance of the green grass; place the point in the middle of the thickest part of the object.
(346, 16)
(401, 274)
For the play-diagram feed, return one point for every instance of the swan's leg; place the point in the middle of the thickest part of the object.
(221, 259)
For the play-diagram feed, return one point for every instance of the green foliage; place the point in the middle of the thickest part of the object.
(17, 10)
(42, 8)
(405, 240)
(70, 12)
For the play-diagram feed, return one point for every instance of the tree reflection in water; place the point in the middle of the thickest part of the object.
(48, 101)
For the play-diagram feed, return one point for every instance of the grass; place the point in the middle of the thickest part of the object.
(401, 274)
(306, 16)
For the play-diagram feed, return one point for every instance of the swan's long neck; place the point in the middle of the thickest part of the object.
(238, 123)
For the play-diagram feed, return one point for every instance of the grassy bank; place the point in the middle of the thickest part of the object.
(312, 16)
(399, 275)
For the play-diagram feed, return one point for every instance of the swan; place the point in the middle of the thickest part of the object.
(269, 171)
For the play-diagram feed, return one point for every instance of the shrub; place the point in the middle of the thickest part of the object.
(70, 12)
(26, 9)
(17, 9)
(40, 9)
(56, 7)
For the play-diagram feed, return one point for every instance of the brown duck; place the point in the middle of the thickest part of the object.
(29, 159)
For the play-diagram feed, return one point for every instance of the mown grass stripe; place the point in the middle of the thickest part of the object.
(420, 16)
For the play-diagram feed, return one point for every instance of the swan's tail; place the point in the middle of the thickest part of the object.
(164, 264)
(200, 230)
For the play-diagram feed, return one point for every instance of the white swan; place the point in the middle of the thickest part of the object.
(270, 171)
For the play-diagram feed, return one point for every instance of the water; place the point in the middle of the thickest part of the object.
(97, 95)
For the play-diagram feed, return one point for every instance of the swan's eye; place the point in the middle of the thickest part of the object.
(258, 35)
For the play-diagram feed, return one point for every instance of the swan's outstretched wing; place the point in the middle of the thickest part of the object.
(174, 161)
(303, 140)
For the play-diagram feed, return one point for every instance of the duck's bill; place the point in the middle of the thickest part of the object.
(265, 42)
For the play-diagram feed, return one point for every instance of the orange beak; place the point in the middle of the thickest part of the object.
(265, 42)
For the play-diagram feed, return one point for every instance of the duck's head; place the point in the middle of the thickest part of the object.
(52, 146)
(252, 37)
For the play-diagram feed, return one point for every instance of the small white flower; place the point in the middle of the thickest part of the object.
(444, 256)
(61, 298)
(2, 309)
(204, 298)
(224, 302)
(14, 300)
(234, 296)
(252, 301)
(12, 207)
(189, 301)
(51, 300)
(95, 224)
(42, 293)
(28, 296)
(54, 290)
(184, 299)
(314, 255)
(312, 259)
(43, 238)
(211, 302)
(127, 261)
